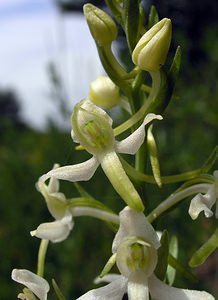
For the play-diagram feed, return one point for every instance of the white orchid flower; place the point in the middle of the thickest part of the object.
(92, 128)
(35, 284)
(63, 212)
(59, 229)
(204, 202)
(135, 246)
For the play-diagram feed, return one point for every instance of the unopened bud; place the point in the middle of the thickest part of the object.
(101, 25)
(104, 93)
(151, 51)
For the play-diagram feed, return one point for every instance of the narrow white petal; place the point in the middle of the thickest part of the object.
(113, 291)
(161, 291)
(38, 285)
(53, 185)
(138, 287)
(133, 223)
(132, 143)
(203, 203)
(108, 278)
(79, 172)
(56, 231)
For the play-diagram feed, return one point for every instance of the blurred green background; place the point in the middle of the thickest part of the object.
(185, 139)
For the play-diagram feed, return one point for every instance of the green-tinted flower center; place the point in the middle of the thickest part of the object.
(92, 130)
(135, 254)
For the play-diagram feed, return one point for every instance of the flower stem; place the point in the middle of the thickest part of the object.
(156, 84)
(41, 257)
(174, 199)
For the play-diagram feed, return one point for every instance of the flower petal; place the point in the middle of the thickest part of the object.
(113, 291)
(56, 231)
(53, 185)
(38, 285)
(132, 143)
(79, 172)
(161, 291)
(203, 203)
(133, 223)
(137, 286)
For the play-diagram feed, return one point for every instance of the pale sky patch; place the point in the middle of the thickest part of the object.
(30, 39)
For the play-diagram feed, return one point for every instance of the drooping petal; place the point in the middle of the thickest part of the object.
(79, 172)
(161, 291)
(203, 203)
(113, 291)
(137, 286)
(133, 223)
(38, 285)
(132, 143)
(56, 231)
(53, 186)
(56, 201)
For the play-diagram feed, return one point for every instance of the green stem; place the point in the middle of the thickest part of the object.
(139, 176)
(41, 257)
(174, 199)
(112, 67)
(156, 84)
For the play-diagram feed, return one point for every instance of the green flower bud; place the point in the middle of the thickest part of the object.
(151, 50)
(104, 93)
(101, 25)
(92, 128)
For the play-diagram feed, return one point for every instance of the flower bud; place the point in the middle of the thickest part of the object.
(104, 93)
(151, 50)
(101, 25)
(92, 127)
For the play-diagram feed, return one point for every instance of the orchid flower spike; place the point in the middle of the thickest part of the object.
(205, 202)
(35, 284)
(92, 128)
(135, 246)
(59, 229)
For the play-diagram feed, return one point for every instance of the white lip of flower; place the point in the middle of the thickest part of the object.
(92, 128)
(205, 202)
(137, 263)
(59, 229)
(36, 284)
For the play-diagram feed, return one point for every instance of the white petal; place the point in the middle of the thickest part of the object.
(113, 291)
(91, 107)
(53, 185)
(161, 291)
(138, 287)
(108, 278)
(38, 285)
(56, 231)
(133, 223)
(132, 143)
(203, 203)
(79, 172)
